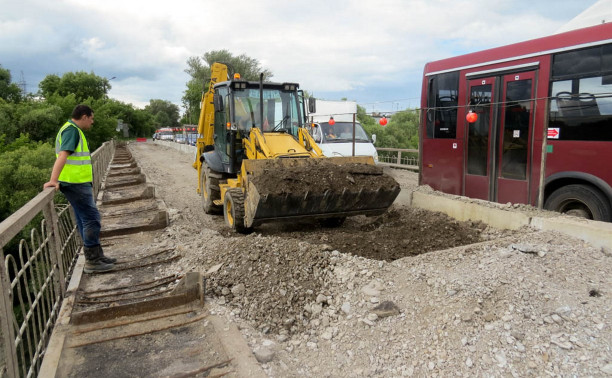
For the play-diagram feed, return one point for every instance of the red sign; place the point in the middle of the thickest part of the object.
(553, 133)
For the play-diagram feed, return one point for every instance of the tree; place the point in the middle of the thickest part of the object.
(402, 130)
(163, 112)
(83, 85)
(199, 70)
(24, 167)
(140, 122)
(41, 121)
(9, 92)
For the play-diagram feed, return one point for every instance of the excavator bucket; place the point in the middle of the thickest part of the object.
(298, 188)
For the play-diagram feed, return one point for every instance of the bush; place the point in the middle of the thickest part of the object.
(24, 167)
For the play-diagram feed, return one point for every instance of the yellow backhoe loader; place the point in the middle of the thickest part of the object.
(257, 162)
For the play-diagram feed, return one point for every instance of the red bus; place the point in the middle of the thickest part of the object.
(543, 134)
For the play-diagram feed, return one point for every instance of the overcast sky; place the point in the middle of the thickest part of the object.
(371, 51)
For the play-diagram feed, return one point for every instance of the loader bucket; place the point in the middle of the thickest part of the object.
(298, 188)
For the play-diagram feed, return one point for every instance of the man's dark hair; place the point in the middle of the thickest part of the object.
(81, 110)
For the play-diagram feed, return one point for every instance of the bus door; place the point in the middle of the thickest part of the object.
(515, 134)
(498, 143)
(477, 178)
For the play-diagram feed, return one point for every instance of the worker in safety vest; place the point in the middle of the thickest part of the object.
(72, 174)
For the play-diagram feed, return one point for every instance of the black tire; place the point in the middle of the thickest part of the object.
(332, 222)
(209, 189)
(580, 200)
(233, 211)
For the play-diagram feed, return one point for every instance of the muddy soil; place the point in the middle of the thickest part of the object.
(320, 175)
(401, 232)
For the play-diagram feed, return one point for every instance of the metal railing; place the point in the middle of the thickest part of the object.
(33, 279)
(406, 158)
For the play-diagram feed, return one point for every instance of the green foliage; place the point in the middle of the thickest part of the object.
(9, 92)
(40, 121)
(402, 131)
(199, 70)
(83, 85)
(24, 167)
(164, 113)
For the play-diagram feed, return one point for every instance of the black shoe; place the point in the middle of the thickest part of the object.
(97, 266)
(106, 259)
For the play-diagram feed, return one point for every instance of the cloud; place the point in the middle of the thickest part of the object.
(370, 50)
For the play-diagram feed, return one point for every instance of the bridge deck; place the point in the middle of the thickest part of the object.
(141, 319)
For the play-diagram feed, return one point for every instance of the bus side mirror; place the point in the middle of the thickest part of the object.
(312, 105)
(373, 138)
(218, 103)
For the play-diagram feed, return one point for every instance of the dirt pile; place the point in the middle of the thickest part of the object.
(399, 233)
(319, 176)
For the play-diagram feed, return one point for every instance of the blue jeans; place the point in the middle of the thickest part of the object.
(87, 215)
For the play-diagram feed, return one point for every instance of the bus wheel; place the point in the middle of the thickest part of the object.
(580, 200)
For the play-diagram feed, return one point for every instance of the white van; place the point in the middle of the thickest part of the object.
(337, 139)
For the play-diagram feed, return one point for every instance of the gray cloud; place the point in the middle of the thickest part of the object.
(369, 51)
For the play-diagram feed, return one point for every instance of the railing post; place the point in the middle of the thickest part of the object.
(7, 318)
(55, 247)
(399, 157)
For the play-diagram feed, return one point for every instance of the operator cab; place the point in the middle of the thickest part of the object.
(271, 107)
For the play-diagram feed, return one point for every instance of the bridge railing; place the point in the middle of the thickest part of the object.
(35, 272)
(406, 158)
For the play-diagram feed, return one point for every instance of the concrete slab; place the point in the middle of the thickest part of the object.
(124, 180)
(123, 172)
(126, 195)
(463, 211)
(596, 233)
(123, 165)
(133, 217)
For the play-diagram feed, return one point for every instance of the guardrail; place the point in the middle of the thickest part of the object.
(406, 158)
(186, 148)
(33, 279)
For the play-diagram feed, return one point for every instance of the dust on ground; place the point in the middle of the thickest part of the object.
(307, 298)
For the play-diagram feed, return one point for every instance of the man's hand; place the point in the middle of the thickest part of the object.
(57, 169)
(51, 184)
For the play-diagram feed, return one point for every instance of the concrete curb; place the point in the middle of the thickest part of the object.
(598, 234)
(464, 211)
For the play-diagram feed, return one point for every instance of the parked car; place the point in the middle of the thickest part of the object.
(192, 138)
(179, 138)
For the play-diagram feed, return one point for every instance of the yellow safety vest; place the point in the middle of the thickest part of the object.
(78, 165)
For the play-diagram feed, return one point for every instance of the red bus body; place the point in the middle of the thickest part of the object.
(558, 86)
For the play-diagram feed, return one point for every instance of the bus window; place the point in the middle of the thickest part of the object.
(582, 109)
(442, 106)
(516, 130)
(581, 94)
(478, 134)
